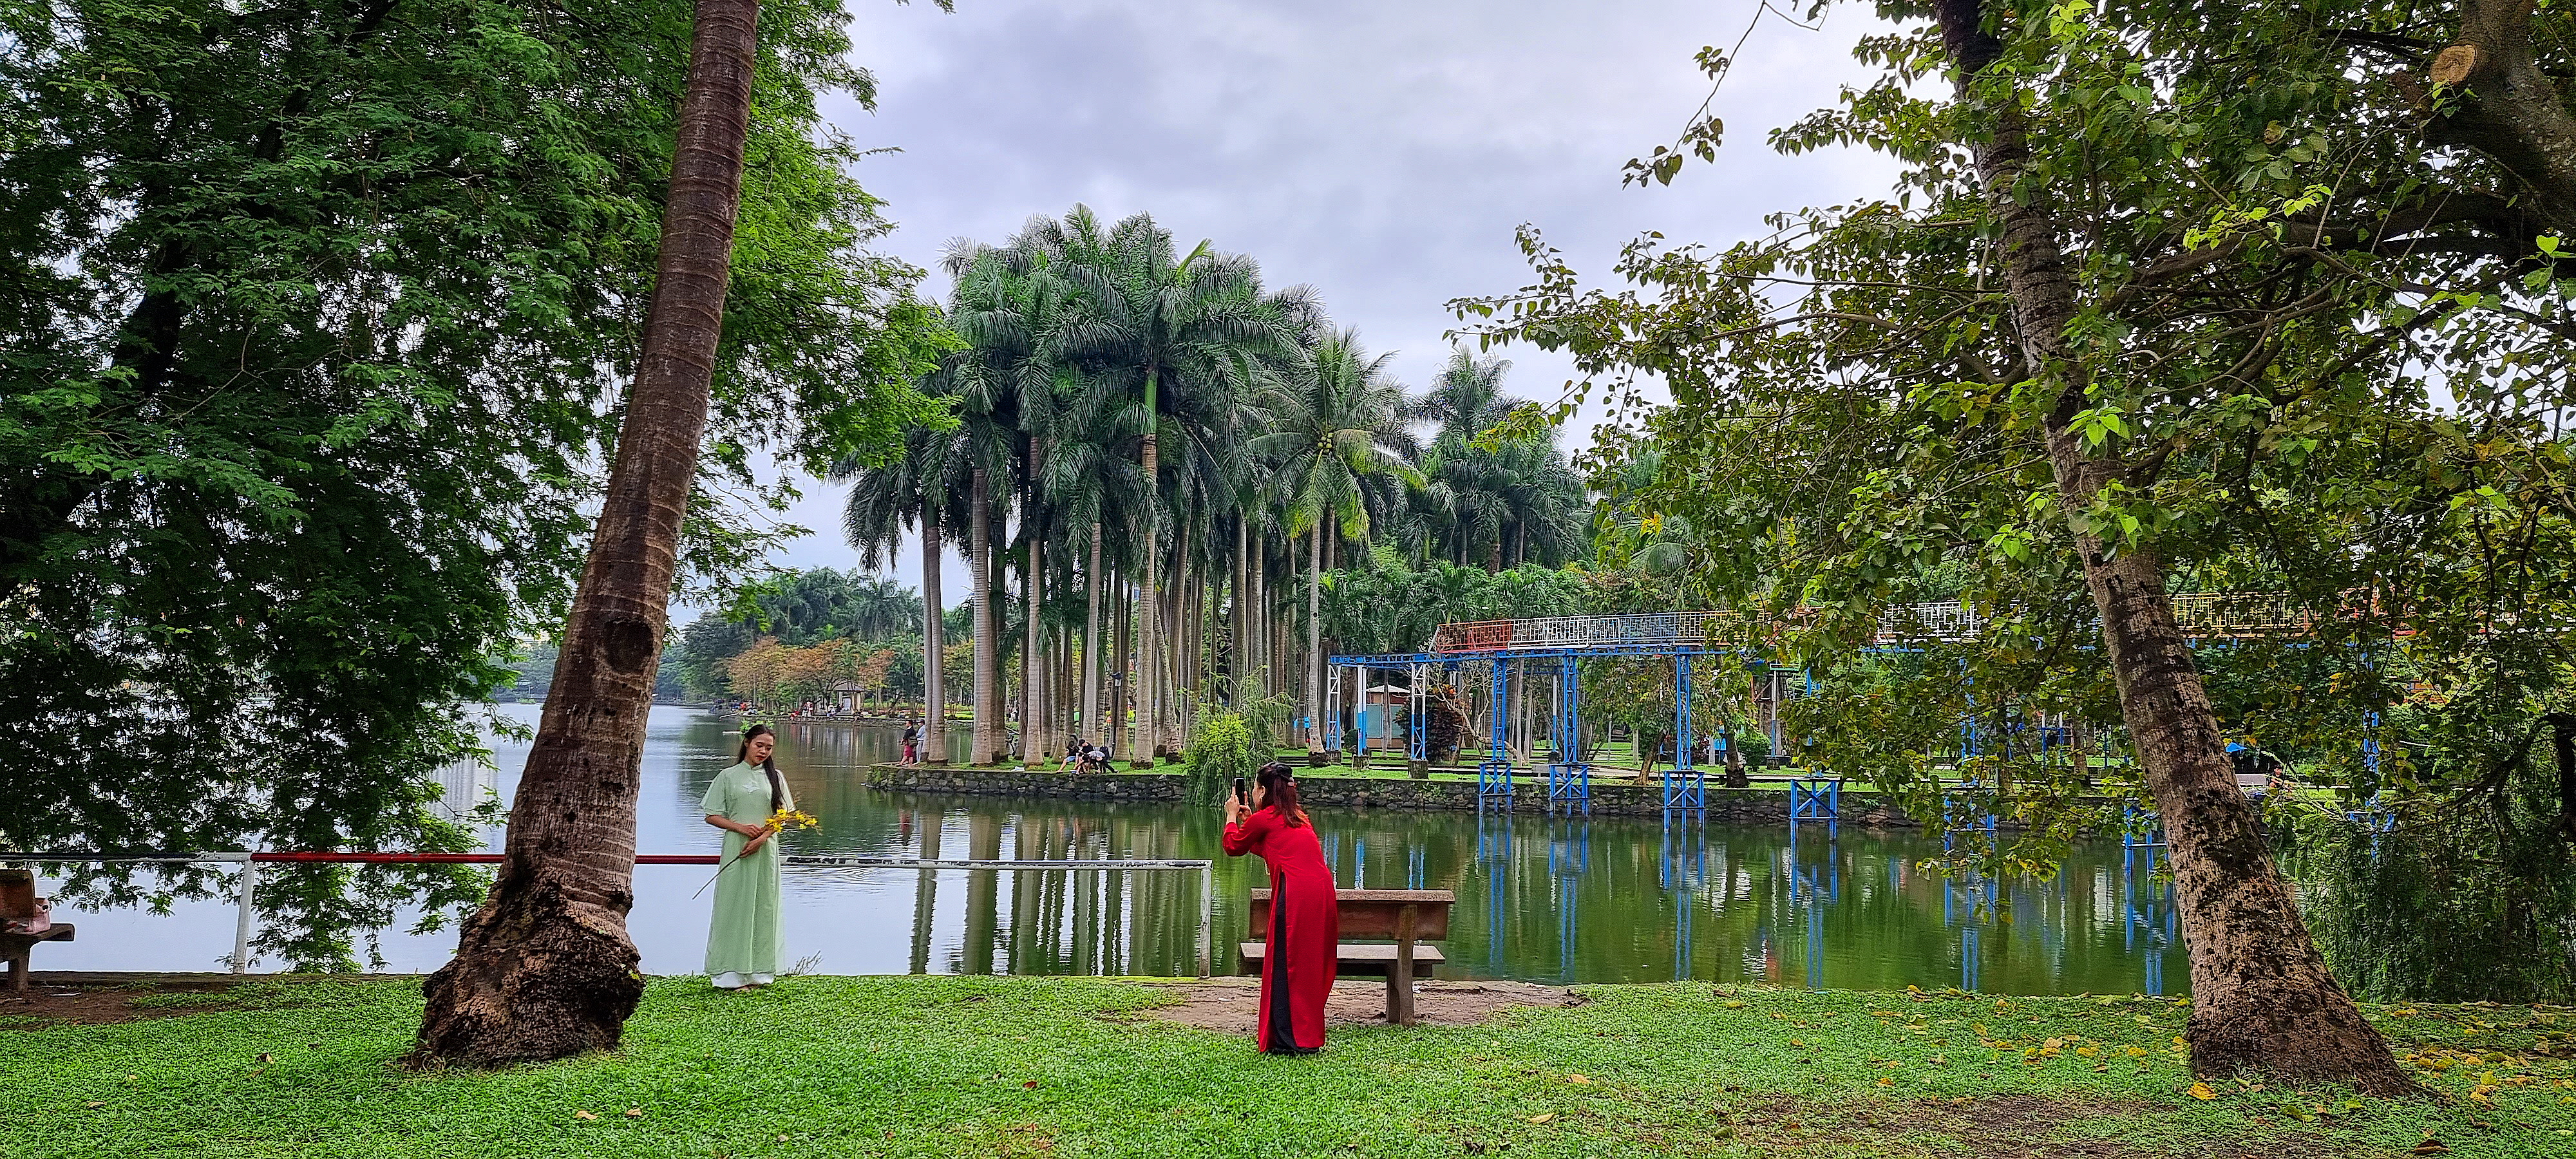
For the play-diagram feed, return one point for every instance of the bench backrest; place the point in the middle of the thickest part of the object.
(1374, 913)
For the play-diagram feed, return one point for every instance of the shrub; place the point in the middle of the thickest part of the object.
(1223, 747)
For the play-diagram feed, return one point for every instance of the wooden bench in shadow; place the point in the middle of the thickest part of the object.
(15, 948)
(1405, 917)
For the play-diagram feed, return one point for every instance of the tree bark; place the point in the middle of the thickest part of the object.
(987, 741)
(544, 968)
(1091, 728)
(934, 638)
(1036, 742)
(1148, 730)
(2262, 998)
(1315, 649)
(2506, 107)
(1120, 682)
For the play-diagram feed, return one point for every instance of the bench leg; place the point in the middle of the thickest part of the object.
(1399, 986)
(18, 973)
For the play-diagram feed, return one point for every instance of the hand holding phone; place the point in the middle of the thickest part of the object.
(1241, 793)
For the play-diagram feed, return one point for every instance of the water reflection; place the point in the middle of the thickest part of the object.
(1541, 899)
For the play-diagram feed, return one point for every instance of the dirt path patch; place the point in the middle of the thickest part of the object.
(1233, 1005)
(92, 1004)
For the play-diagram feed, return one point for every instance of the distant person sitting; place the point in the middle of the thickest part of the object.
(1072, 755)
(911, 742)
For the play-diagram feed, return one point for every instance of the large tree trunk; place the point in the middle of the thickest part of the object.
(934, 638)
(1176, 685)
(1114, 719)
(2262, 998)
(1149, 731)
(1091, 727)
(2500, 103)
(1036, 744)
(544, 969)
(987, 742)
(1238, 669)
(1315, 649)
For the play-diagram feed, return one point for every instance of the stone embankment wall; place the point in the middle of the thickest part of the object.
(1609, 797)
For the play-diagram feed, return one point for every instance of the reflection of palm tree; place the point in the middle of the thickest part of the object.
(1329, 429)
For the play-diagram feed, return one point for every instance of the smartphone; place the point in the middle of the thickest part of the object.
(1240, 793)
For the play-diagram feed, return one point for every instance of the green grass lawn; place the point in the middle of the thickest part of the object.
(1066, 1067)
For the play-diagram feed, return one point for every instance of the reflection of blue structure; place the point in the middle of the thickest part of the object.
(2148, 914)
(1965, 814)
(1569, 856)
(1979, 894)
(1494, 854)
(1815, 887)
(1685, 873)
(1414, 872)
(1809, 882)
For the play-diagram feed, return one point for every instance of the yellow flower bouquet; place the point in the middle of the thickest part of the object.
(779, 822)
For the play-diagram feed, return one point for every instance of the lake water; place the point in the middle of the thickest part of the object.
(1609, 900)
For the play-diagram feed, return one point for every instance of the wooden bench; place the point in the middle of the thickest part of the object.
(14, 949)
(1406, 916)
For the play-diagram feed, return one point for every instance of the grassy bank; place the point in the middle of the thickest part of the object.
(980, 1066)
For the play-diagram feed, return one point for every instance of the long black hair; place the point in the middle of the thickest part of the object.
(777, 785)
(1279, 792)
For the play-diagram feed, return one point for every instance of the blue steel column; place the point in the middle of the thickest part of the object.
(1417, 743)
(1494, 777)
(1569, 779)
(1686, 787)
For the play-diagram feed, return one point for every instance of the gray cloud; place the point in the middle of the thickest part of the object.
(1382, 152)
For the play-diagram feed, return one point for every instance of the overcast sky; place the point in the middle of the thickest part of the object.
(1382, 152)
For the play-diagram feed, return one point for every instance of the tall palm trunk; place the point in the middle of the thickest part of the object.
(1035, 741)
(1122, 683)
(1315, 649)
(544, 969)
(1238, 667)
(934, 638)
(1091, 727)
(979, 545)
(2262, 998)
(1148, 730)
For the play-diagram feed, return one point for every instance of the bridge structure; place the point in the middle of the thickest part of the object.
(1551, 649)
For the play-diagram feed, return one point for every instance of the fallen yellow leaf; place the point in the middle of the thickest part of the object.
(1576, 1078)
(635, 1112)
(583, 1115)
(1885, 1081)
(1542, 1118)
(2202, 1091)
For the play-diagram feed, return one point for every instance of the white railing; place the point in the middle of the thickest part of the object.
(2203, 615)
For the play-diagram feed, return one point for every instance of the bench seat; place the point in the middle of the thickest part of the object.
(1361, 961)
(15, 948)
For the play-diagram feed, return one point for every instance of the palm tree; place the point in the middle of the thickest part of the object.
(1467, 398)
(1330, 428)
(913, 490)
(544, 969)
(1167, 339)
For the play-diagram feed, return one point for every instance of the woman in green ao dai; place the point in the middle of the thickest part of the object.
(744, 941)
